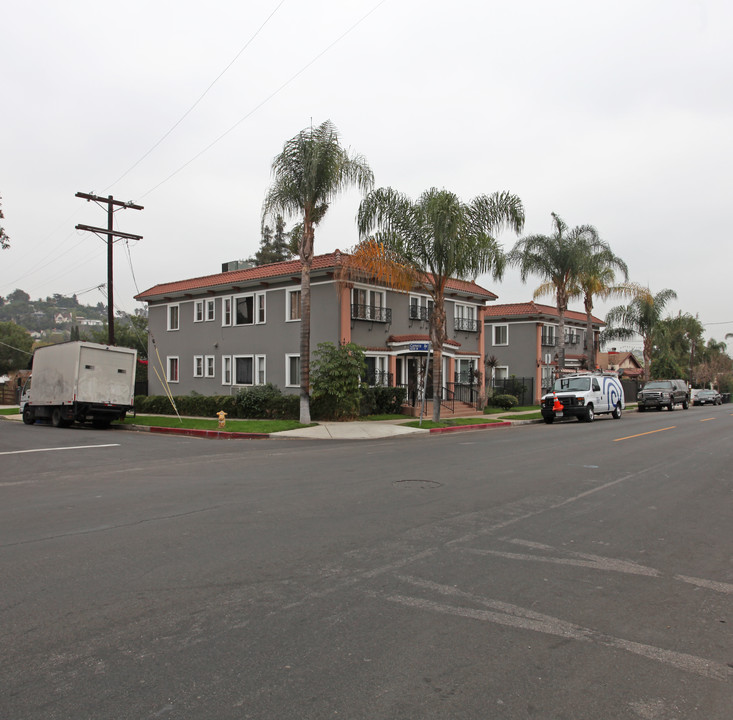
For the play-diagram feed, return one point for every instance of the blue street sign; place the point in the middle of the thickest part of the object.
(419, 347)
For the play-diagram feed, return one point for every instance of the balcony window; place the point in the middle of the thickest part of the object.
(369, 305)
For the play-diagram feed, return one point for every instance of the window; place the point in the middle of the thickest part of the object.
(370, 305)
(226, 311)
(198, 365)
(464, 371)
(260, 378)
(172, 366)
(260, 307)
(421, 307)
(501, 334)
(198, 311)
(548, 335)
(173, 317)
(465, 318)
(210, 309)
(244, 310)
(209, 363)
(226, 370)
(292, 370)
(501, 373)
(376, 370)
(293, 305)
(243, 370)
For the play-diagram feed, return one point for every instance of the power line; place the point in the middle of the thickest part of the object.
(201, 97)
(266, 100)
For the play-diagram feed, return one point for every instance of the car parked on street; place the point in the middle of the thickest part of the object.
(663, 393)
(706, 397)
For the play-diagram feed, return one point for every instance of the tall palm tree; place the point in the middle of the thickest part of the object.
(558, 259)
(308, 174)
(642, 317)
(432, 239)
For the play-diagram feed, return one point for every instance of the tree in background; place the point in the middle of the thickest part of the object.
(559, 259)
(432, 239)
(641, 317)
(131, 331)
(677, 343)
(15, 347)
(274, 247)
(309, 173)
(4, 239)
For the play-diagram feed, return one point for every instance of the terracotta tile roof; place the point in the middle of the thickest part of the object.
(288, 268)
(534, 310)
(396, 339)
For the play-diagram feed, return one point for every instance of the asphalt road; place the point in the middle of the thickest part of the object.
(571, 571)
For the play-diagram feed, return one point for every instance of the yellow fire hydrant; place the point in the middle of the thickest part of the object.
(222, 421)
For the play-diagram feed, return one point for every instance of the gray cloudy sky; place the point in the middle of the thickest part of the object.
(615, 114)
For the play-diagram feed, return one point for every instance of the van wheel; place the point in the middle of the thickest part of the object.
(641, 408)
(589, 414)
(616, 414)
(548, 420)
(28, 416)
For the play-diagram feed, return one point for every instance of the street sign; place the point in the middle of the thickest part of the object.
(419, 347)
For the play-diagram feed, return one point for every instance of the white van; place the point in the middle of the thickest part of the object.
(584, 395)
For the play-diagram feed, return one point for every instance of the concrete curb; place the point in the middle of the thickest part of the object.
(479, 426)
(208, 434)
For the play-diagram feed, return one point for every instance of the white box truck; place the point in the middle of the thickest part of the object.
(79, 382)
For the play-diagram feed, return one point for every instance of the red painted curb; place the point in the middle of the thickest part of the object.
(482, 426)
(211, 434)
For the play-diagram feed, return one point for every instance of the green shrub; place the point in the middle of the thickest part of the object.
(505, 402)
(382, 400)
(266, 402)
(336, 374)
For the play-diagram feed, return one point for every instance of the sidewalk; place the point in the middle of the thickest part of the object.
(357, 430)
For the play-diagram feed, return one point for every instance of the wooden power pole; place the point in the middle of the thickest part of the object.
(111, 235)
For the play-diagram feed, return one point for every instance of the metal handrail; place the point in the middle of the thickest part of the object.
(465, 324)
(371, 312)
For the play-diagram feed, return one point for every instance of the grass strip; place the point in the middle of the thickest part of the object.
(9, 411)
(244, 426)
(454, 422)
(500, 411)
(528, 416)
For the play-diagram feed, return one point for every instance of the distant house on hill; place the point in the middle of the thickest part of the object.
(626, 361)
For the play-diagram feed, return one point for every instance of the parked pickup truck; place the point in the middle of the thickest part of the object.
(663, 393)
(584, 395)
(79, 382)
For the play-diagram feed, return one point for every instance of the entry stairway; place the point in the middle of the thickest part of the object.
(460, 409)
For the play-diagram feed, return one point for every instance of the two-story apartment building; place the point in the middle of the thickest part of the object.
(218, 333)
(523, 338)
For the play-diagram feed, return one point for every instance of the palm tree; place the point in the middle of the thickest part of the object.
(597, 279)
(430, 240)
(309, 173)
(558, 259)
(641, 317)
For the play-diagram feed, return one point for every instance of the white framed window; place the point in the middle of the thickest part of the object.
(292, 370)
(464, 371)
(210, 366)
(548, 335)
(243, 370)
(261, 307)
(210, 310)
(421, 307)
(198, 311)
(244, 307)
(500, 335)
(172, 316)
(292, 307)
(501, 372)
(172, 369)
(260, 370)
(198, 365)
(465, 318)
(369, 304)
(226, 370)
(377, 370)
(226, 311)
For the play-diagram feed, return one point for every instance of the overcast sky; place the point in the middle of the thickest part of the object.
(615, 114)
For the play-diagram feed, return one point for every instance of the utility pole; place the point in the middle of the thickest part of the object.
(111, 235)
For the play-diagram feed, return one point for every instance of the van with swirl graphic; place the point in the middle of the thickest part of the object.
(584, 395)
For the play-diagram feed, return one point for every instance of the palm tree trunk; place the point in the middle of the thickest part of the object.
(437, 336)
(590, 340)
(306, 257)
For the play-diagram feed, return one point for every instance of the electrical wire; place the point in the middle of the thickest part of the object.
(200, 98)
(265, 101)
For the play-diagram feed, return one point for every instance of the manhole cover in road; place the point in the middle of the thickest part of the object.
(416, 484)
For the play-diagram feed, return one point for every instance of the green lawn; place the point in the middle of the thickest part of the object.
(9, 411)
(381, 417)
(528, 416)
(245, 426)
(488, 410)
(428, 424)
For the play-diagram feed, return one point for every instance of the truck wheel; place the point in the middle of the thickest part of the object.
(685, 404)
(548, 420)
(28, 416)
(589, 414)
(616, 414)
(56, 419)
(670, 407)
(641, 408)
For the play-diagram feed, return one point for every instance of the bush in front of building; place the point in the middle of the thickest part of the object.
(505, 402)
(266, 402)
(336, 373)
(191, 405)
(382, 400)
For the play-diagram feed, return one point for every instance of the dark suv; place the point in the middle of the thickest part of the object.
(663, 393)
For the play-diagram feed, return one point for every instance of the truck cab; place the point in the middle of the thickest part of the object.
(583, 396)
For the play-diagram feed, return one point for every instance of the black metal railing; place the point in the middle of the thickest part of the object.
(549, 340)
(465, 324)
(378, 377)
(466, 392)
(572, 339)
(371, 312)
(418, 312)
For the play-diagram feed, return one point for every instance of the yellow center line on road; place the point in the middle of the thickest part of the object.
(706, 419)
(651, 432)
